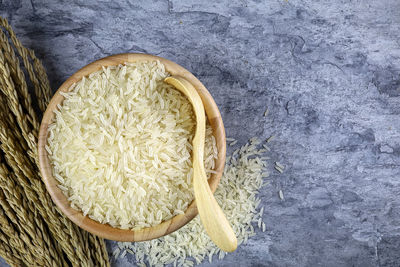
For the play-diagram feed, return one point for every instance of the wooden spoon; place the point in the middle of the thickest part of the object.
(211, 214)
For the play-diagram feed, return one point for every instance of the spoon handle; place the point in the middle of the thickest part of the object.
(211, 214)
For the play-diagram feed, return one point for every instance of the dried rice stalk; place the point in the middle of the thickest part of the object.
(36, 71)
(16, 240)
(41, 257)
(18, 209)
(8, 252)
(33, 232)
(18, 76)
(8, 89)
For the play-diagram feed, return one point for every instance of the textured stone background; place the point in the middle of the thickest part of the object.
(328, 70)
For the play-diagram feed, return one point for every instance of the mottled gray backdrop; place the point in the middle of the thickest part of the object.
(329, 71)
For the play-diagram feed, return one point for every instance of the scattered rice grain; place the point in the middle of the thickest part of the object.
(281, 194)
(233, 143)
(266, 113)
(269, 139)
(278, 169)
(279, 165)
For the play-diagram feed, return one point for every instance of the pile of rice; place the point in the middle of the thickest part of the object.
(237, 195)
(120, 146)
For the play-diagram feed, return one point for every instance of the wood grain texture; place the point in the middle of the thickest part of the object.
(105, 230)
(211, 215)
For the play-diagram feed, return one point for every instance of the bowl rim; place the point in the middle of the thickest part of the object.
(106, 230)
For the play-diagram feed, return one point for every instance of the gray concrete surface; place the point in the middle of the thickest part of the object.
(328, 70)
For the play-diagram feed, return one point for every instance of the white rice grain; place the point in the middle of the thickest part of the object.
(281, 194)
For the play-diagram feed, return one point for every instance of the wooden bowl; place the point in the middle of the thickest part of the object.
(105, 230)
